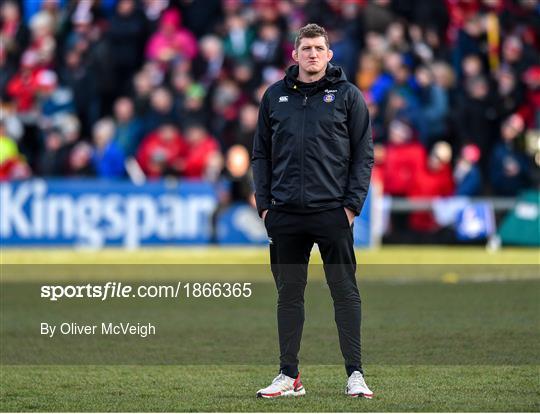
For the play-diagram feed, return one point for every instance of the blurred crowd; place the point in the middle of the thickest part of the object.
(152, 88)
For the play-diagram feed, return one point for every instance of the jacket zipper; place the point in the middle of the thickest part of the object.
(304, 105)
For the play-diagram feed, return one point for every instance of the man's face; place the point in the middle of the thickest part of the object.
(123, 109)
(125, 7)
(167, 132)
(312, 55)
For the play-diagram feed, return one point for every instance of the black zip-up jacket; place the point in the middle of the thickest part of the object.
(312, 151)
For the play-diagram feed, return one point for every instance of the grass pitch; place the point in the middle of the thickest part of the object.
(231, 388)
(436, 342)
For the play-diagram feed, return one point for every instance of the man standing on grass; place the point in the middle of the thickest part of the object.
(312, 160)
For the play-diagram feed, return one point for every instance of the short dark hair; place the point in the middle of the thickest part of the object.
(311, 30)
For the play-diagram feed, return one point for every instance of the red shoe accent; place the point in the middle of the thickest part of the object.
(297, 383)
(275, 394)
(369, 396)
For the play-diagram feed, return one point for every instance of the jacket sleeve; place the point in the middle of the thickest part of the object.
(361, 146)
(262, 157)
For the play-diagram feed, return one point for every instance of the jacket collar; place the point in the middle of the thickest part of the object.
(334, 74)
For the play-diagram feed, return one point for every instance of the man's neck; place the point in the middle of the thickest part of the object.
(310, 77)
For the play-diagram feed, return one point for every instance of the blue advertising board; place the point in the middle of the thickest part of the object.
(95, 213)
(475, 222)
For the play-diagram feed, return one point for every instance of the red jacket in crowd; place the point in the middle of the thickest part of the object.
(429, 183)
(402, 163)
(198, 156)
(162, 151)
(23, 88)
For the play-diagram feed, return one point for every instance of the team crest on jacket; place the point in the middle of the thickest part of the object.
(329, 97)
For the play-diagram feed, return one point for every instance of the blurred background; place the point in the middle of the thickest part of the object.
(126, 131)
(130, 122)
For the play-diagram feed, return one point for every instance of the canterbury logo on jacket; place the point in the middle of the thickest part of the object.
(313, 150)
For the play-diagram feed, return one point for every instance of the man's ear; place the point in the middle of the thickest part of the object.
(294, 55)
(330, 54)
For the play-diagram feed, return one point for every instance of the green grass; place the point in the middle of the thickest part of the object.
(454, 341)
(232, 388)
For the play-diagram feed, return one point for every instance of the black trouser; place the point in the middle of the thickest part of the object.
(291, 238)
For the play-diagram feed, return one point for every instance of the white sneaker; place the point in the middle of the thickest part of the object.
(283, 386)
(356, 386)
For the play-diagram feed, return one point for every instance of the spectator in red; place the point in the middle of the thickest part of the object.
(379, 155)
(202, 154)
(404, 158)
(162, 152)
(23, 86)
(171, 41)
(433, 180)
